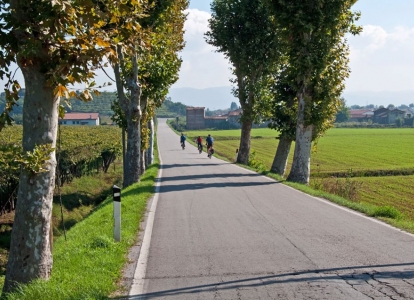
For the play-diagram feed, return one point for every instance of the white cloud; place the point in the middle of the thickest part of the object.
(197, 22)
(382, 60)
(202, 67)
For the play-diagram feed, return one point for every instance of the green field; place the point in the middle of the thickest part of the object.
(373, 159)
(338, 151)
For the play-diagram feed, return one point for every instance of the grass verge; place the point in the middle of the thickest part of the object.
(88, 265)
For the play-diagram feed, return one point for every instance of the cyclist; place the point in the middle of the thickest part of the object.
(182, 140)
(200, 143)
(209, 143)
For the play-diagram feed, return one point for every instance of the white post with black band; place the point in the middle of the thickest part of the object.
(117, 213)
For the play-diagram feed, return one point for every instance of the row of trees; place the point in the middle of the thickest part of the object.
(56, 44)
(290, 60)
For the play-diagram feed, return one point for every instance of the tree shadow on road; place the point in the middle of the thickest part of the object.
(172, 166)
(183, 186)
(350, 273)
(212, 175)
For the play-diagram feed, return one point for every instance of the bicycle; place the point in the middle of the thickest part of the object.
(210, 151)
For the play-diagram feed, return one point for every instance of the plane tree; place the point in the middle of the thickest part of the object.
(159, 67)
(314, 31)
(55, 44)
(282, 117)
(144, 75)
(244, 31)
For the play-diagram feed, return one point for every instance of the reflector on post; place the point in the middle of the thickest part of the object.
(117, 212)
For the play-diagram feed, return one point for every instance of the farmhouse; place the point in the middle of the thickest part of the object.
(388, 116)
(196, 119)
(89, 119)
(360, 115)
(234, 117)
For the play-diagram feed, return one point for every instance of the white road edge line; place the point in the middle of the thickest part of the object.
(351, 211)
(137, 287)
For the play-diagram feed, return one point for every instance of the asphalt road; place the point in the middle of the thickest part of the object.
(223, 232)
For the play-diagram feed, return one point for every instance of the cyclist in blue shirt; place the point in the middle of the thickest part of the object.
(209, 142)
(182, 140)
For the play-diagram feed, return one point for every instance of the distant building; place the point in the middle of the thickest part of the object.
(234, 117)
(360, 115)
(219, 122)
(388, 116)
(88, 119)
(195, 117)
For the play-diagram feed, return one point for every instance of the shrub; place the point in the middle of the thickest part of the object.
(256, 163)
(386, 212)
(347, 188)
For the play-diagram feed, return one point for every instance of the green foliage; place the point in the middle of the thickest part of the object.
(12, 158)
(233, 106)
(170, 109)
(313, 34)
(101, 104)
(386, 212)
(343, 112)
(34, 161)
(118, 116)
(80, 150)
(178, 124)
(245, 33)
(399, 122)
(255, 163)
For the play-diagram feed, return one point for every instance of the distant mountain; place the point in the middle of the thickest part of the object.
(363, 98)
(221, 97)
(212, 98)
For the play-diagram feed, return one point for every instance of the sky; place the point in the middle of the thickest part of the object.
(381, 57)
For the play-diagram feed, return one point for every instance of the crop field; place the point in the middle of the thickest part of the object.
(338, 151)
(381, 161)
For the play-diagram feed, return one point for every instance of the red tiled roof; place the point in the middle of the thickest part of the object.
(194, 108)
(81, 116)
(360, 113)
(236, 112)
(217, 118)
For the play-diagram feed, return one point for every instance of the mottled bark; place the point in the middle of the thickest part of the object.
(143, 162)
(300, 171)
(123, 145)
(132, 110)
(132, 170)
(150, 156)
(281, 157)
(244, 148)
(30, 254)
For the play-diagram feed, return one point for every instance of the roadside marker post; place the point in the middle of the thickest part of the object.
(117, 213)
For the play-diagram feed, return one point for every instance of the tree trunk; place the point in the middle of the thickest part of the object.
(132, 110)
(244, 149)
(150, 158)
(30, 254)
(132, 170)
(123, 146)
(300, 171)
(146, 159)
(143, 161)
(281, 156)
